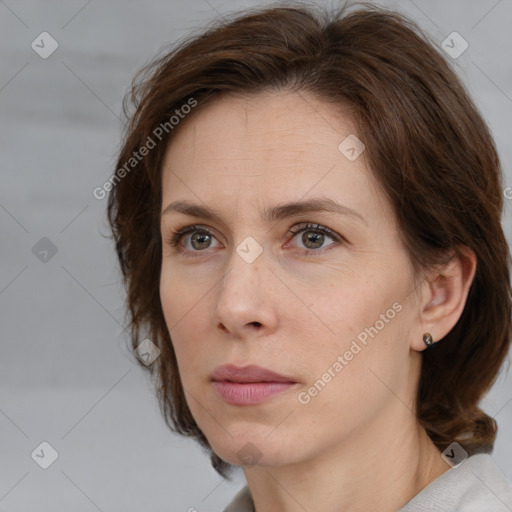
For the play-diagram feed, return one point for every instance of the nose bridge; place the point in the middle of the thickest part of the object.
(239, 300)
(244, 268)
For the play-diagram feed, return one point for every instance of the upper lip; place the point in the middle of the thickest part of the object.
(250, 373)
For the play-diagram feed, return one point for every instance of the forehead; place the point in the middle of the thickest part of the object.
(262, 123)
(267, 147)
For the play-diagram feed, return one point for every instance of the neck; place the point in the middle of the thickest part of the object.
(379, 468)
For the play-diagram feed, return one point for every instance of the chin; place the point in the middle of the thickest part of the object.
(255, 448)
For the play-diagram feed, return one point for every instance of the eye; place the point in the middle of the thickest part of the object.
(197, 239)
(200, 238)
(314, 236)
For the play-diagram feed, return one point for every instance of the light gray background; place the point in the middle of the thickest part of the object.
(66, 375)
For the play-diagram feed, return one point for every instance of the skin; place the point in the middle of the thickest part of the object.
(295, 313)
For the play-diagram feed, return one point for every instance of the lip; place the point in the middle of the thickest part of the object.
(249, 373)
(249, 385)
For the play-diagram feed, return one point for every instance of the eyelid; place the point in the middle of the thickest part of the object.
(313, 226)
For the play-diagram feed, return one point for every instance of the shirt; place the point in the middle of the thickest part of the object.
(475, 485)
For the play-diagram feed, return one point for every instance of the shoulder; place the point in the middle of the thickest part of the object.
(474, 485)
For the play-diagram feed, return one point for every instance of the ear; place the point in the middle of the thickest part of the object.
(443, 296)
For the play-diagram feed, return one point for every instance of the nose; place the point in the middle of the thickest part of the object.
(245, 304)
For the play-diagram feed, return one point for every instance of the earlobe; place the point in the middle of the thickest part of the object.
(427, 339)
(443, 298)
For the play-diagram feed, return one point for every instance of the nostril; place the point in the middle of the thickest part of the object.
(256, 324)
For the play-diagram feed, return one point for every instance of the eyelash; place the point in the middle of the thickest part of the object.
(177, 235)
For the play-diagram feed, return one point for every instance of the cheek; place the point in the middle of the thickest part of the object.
(182, 309)
(350, 381)
(369, 340)
(343, 310)
(182, 294)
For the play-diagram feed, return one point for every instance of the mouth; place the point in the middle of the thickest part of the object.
(249, 385)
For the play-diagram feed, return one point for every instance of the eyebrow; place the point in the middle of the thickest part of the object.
(274, 214)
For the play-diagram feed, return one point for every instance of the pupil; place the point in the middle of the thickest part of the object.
(200, 238)
(315, 238)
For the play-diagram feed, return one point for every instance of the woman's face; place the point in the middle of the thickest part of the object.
(332, 312)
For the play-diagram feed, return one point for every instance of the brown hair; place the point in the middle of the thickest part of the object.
(426, 143)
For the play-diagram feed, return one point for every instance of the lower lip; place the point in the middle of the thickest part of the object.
(249, 393)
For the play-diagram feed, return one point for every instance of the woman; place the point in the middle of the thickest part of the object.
(307, 216)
